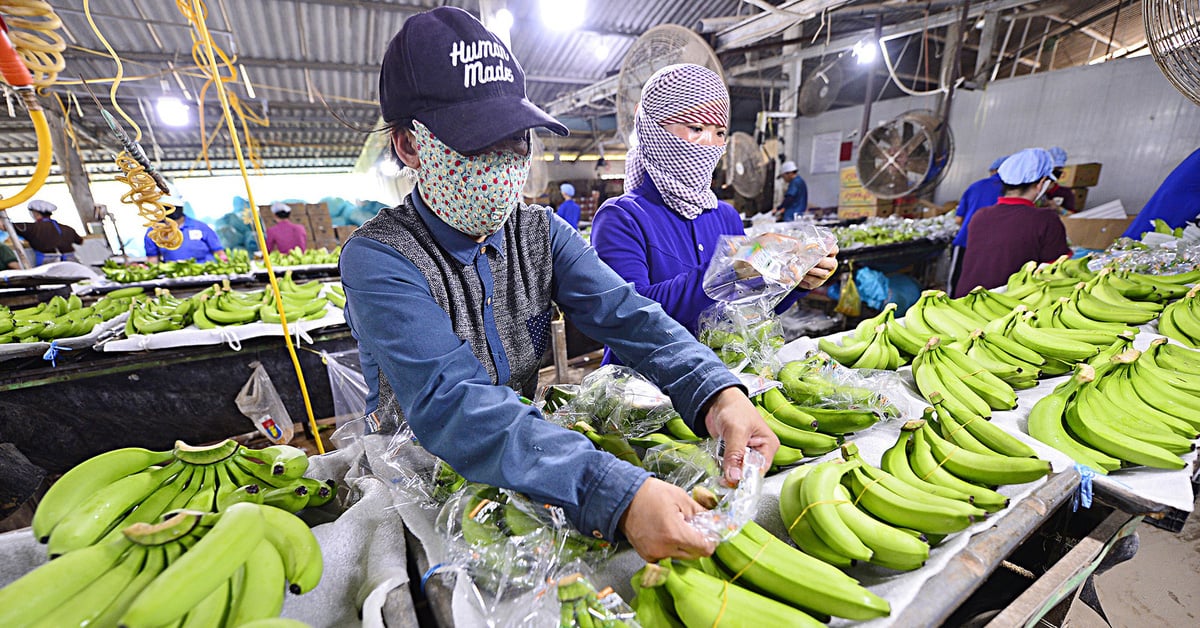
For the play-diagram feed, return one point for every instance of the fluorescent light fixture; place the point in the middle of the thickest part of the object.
(866, 51)
(562, 15)
(172, 111)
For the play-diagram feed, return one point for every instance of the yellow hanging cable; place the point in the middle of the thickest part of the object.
(112, 90)
(202, 29)
(36, 38)
(16, 73)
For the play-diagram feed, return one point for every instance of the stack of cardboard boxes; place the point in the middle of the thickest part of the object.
(314, 217)
(855, 201)
(1080, 177)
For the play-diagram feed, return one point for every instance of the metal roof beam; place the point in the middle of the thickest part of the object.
(771, 23)
(893, 31)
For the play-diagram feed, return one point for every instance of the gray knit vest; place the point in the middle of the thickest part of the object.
(521, 290)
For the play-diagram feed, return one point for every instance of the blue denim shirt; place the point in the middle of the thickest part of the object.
(980, 194)
(483, 430)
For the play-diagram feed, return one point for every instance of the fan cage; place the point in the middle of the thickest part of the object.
(1173, 35)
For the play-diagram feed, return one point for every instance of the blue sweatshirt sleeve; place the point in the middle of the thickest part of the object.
(483, 430)
(151, 247)
(622, 244)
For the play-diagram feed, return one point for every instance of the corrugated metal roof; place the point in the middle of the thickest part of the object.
(337, 44)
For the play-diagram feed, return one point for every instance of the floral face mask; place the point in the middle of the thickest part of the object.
(475, 194)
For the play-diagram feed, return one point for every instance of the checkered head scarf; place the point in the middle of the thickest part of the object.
(682, 171)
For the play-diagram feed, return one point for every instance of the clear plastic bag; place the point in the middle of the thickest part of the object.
(827, 384)
(737, 505)
(617, 399)
(260, 402)
(507, 544)
(571, 599)
(743, 335)
(767, 266)
(346, 384)
(683, 464)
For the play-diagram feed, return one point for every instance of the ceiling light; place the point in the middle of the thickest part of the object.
(389, 168)
(601, 50)
(172, 111)
(562, 15)
(866, 51)
(503, 20)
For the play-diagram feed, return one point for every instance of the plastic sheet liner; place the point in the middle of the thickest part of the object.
(346, 384)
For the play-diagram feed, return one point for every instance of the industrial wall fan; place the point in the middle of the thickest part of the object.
(745, 165)
(663, 45)
(539, 171)
(1173, 35)
(819, 91)
(906, 155)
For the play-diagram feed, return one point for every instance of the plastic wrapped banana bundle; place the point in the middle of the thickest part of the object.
(765, 267)
(745, 336)
(616, 399)
(572, 600)
(507, 544)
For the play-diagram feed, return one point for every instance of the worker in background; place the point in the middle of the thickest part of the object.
(568, 210)
(982, 193)
(1062, 197)
(1003, 237)
(795, 199)
(285, 236)
(8, 257)
(450, 295)
(200, 242)
(50, 240)
(1176, 202)
(662, 233)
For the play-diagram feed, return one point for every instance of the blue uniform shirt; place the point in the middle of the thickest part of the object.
(795, 200)
(980, 194)
(569, 211)
(199, 243)
(663, 254)
(495, 438)
(1175, 202)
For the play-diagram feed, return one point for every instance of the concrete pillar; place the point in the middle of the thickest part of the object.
(70, 164)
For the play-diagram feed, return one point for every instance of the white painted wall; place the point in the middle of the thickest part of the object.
(1123, 114)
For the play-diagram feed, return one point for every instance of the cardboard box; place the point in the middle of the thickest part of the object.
(1080, 175)
(1095, 233)
(847, 212)
(848, 177)
(1081, 195)
(343, 233)
(857, 196)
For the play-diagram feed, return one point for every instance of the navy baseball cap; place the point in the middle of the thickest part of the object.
(458, 79)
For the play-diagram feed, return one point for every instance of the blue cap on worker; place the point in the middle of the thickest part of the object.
(42, 207)
(996, 164)
(1027, 166)
(1058, 155)
(567, 189)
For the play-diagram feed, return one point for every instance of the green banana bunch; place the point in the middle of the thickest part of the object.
(877, 352)
(303, 258)
(1100, 301)
(336, 295)
(178, 571)
(988, 305)
(926, 465)
(1046, 424)
(101, 496)
(1161, 226)
(60, 318)
(964, 388)
(681, 463)
(700, 599)
(1180, 321)
(809, 443)
(781, 572)
(612, 442)
(990, 469)
(581, 606)
(238, 264)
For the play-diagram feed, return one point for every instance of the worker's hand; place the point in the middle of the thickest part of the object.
(732, 418)
(656, 523)
(820, 273)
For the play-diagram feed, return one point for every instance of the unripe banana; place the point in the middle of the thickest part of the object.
(927, 468)
(87, 605)
(984, 469)
(781, 572)
(994, 391)
(782, 409)
(798, 526)
(86, 479)
(95, 516)
(702, 600)
(297, 546)
(155, 563)
(261, 595)
(285, 461)
(820, 506)
(1099, 433)
(890, 547)
(895, 461)
(210, 611)
(200, 570)
(1090, 400)
(38, 592)
(809, 442)
(912, 496)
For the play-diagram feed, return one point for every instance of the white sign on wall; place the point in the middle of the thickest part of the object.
(826, 152)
